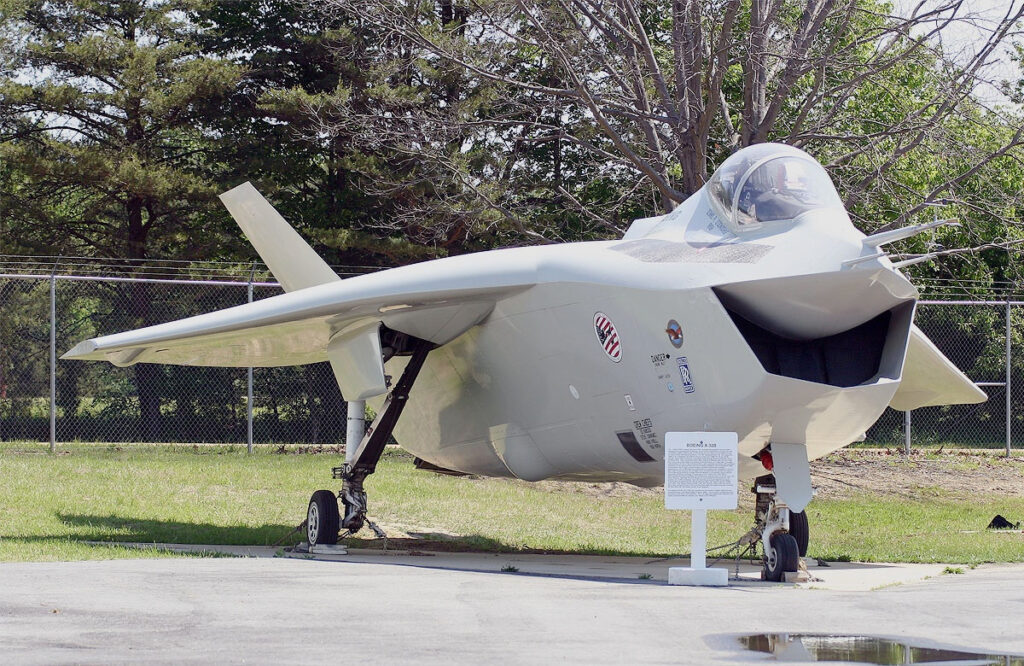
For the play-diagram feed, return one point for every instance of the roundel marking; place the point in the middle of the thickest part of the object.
(675, 333)
(608, 336)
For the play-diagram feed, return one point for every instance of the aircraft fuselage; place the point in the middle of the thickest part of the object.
(535, 392)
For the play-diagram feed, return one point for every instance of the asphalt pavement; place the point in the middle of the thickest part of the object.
(370, 607)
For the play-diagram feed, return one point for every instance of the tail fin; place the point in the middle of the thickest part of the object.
(292, 261)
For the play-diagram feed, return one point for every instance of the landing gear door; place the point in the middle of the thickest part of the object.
(355, 357)
(792, 475)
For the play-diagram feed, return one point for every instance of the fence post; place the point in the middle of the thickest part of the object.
(53, 360)
(906, 432)
(1009, 365)
(248, 403)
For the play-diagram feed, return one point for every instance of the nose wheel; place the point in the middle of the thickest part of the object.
(781, 556)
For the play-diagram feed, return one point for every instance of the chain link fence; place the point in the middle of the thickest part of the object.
(41, 316)
(983, 339)
(44, 314)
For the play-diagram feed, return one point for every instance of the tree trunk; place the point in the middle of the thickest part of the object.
(148, 378)
(693, 163)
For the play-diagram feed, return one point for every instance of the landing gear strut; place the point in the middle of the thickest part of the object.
(364, 462)
(784, 533)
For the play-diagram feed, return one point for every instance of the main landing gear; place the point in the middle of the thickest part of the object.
(323, 520)
(784, 533)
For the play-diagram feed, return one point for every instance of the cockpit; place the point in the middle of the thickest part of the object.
(767, 183)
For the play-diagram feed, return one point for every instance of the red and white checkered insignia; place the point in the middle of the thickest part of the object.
(608, 336)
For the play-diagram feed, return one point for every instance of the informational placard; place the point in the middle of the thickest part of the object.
(700, 470)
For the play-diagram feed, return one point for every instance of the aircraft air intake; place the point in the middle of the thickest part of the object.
(841, 330)
(845, 359)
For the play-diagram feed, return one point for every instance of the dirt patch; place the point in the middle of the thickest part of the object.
(922, 473)
(850, 472)
(610, 489)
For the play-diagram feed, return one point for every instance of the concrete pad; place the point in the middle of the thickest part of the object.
(271, 610)
(835, 576)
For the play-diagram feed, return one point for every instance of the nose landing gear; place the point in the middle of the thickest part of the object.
(784, 533)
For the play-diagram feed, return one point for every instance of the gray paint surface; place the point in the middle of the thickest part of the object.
(263, 610)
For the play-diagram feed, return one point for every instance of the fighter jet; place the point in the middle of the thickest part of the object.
(754, 307)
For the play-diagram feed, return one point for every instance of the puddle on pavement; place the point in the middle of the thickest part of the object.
(865, 650)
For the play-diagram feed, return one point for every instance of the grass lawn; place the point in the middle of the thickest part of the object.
(51, 505)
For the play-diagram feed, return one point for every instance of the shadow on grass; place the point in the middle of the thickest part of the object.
(114, 528)
(475, 543)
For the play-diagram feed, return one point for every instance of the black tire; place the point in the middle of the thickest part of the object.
(322, 519)
(786, 557)
(800, 530)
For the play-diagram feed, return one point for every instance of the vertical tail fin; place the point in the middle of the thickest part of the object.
(292, 261)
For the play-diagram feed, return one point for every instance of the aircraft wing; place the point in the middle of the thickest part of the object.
(338, 321)
(322, 318)
(931, 379)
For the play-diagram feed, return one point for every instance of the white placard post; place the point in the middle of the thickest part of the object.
(701, 470)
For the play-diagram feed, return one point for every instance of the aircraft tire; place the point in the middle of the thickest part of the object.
(800, 530)
(786, 557)
(322, 519)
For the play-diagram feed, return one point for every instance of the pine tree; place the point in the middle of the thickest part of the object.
(104, 111)
(104, 107)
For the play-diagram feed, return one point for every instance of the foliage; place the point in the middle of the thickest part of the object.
(287, 51)
(103, 109)
(658, 93)
(391, 133)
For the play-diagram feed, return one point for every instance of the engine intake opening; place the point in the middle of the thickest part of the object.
(848, 358)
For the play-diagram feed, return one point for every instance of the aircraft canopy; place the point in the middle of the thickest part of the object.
(769, 182)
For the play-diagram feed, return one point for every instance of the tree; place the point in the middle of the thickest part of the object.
(105, 107)
(286, 50)
(467, 162)
(321, 82)
(672, 88)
